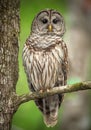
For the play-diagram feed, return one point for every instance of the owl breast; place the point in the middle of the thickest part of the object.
(43, 66)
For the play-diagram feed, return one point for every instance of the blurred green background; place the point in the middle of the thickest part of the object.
(28, 116)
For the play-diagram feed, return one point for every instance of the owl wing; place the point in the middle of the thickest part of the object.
(64, 63)
(62, 79)
(27, 61)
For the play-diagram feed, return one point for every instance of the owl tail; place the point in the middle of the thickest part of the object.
(50, 119)
(49, 107)
(50, 110)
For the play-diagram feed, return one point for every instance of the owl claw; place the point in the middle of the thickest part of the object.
(47, 90)
(41, 91)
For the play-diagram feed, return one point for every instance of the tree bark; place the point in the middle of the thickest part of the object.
(9, 30)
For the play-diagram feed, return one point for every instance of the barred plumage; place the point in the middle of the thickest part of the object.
(45, 62)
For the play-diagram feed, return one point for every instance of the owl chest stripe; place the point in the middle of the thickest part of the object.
(44, 70)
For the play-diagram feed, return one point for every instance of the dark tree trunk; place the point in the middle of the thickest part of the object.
(9, 31)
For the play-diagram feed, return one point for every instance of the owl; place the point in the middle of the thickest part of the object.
(45, 60)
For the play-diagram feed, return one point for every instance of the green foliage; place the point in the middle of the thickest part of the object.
(28, 116)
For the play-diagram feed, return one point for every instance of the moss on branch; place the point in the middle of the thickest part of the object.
(57, 90)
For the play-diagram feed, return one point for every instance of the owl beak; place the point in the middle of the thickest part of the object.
(50, 28)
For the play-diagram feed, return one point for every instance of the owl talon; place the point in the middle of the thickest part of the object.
(47, 89)
(41, 91)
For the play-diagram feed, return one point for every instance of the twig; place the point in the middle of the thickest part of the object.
(57, 90)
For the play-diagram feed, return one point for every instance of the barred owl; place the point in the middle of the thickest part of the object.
(45, 61)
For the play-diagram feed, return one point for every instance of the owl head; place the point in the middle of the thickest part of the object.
(48, 22)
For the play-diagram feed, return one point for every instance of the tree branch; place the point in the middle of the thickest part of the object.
(57, 90)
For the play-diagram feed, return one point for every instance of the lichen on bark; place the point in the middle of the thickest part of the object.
(9, 47)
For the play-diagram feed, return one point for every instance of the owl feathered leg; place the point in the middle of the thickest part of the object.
(49, 107)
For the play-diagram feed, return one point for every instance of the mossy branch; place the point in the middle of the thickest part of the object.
(57, 90)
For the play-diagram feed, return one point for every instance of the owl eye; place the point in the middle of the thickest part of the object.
(55, 21)
(44, 21)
